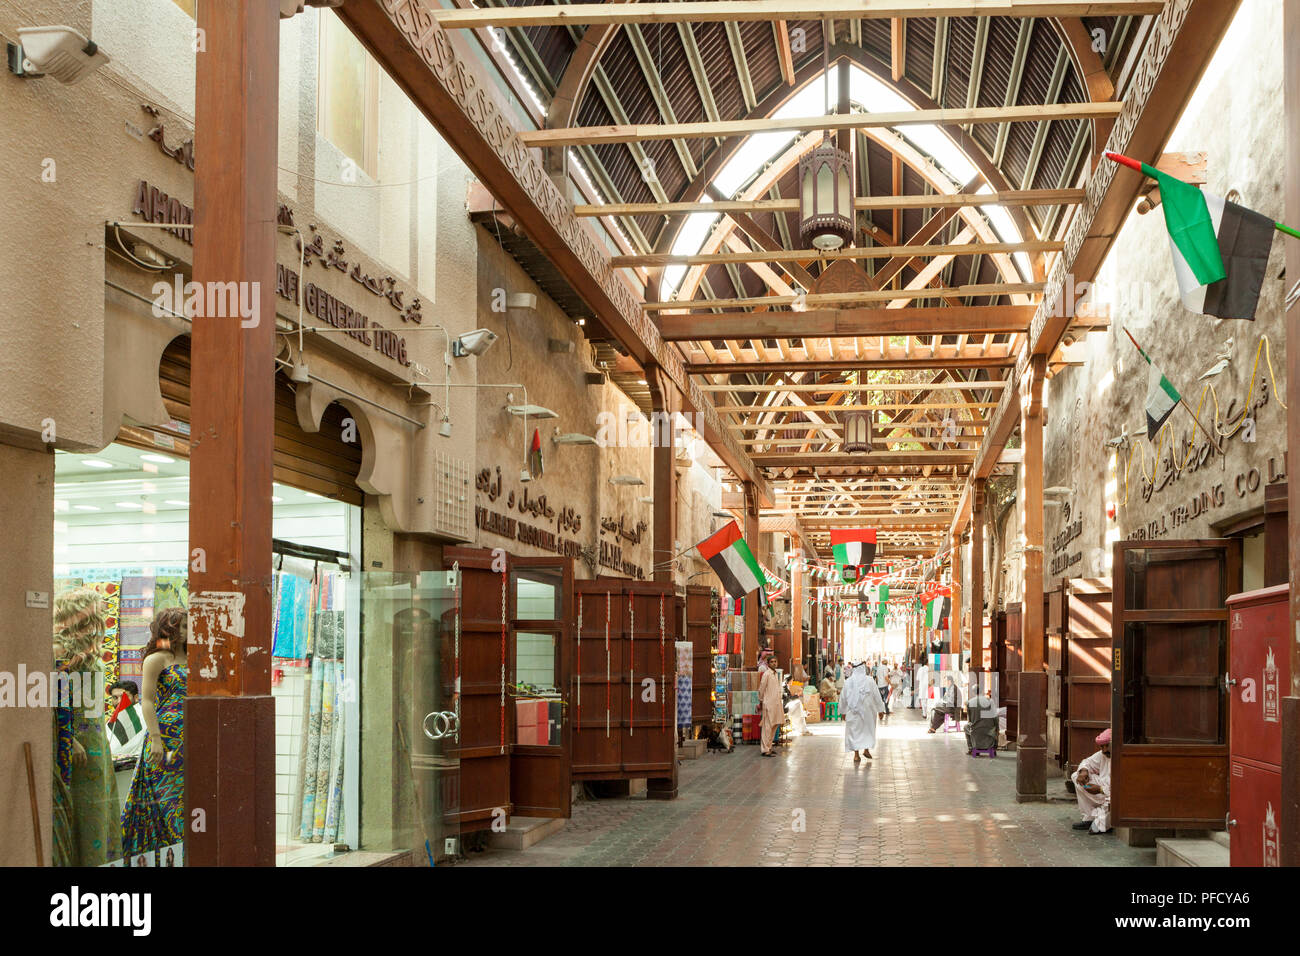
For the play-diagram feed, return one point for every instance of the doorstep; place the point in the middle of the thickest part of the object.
(692, 749)
(523, 832)
(1184, 851)
(374, 858)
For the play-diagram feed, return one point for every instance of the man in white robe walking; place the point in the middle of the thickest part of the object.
(860, 703)
(1092, 788)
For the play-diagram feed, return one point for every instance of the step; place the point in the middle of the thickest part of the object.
(1220, 837)
(522, 832)
(692, 749)
(1184, 851)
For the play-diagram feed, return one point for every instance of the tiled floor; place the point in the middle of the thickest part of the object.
(921, 802)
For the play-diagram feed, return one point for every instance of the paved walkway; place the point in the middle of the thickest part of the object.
(921, 802)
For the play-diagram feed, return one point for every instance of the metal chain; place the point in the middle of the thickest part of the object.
(503, 660)
(579, 658)
(607, 673)
(631, 663)
(663, 667)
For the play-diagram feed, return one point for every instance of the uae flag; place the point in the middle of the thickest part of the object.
(126, 722)
(882, 607)
(1220, 249)
(1162, 397)
(853, 547)
(732, 561)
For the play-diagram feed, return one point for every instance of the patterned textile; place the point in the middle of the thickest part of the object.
(310, 769)
(112, 592)
(291, 622)
(155, 810)
(85, 796)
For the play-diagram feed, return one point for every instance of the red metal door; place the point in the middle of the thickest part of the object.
(1256, 802)
(1169, 710)
(1260, 672)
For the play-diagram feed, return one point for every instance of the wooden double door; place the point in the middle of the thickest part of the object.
(515, 661)
(1169, 700)
(623, 686)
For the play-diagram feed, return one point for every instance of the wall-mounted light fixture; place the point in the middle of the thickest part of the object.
(627, 480)
(473, 343)
(57, 51)
(571, 438)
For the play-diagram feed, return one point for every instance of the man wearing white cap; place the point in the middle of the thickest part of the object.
(1092, 788)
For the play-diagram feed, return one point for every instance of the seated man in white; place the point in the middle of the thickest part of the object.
(1092, 788)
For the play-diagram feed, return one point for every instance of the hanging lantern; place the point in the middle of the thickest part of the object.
(826, 197)
(857, 432)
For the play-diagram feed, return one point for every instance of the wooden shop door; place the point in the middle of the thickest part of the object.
(485, 733)
(540, 655)
(626, 635)
(1087, 673)
(699, 631)
(1169, 702)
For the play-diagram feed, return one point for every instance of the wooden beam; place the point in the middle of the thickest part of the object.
(885, 407)
(896, 47)
(645, 132)
(784, 56)
(849, 365)
(833, 459)
(839, 298)
(846, 323)
(805, 255)
(1007, 197)
(851, 387)
(714, 11)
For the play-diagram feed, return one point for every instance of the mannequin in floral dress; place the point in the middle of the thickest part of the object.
(85, 787)
(154, 817)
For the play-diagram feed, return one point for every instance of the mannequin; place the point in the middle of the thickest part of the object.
(86, 804)
(155, 809)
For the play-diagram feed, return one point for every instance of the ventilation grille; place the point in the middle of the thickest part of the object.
(453, 500)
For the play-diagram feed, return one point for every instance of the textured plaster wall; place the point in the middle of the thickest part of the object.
(1235, 118)
(576, 477)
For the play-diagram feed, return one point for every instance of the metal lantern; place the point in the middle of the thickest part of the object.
(857, 432)
(826, 197)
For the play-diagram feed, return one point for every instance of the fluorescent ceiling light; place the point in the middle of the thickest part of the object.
(96, 463)
(276, 499)
(177, 503)
(85, 508)
(132, 505)
(159, 459)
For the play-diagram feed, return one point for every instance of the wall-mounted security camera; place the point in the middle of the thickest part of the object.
(58, 51)
(473, 343)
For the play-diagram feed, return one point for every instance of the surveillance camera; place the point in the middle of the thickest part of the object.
(58, 51)
(473, 343)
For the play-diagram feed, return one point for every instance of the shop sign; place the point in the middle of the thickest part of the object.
(1244, 483)
(153, 205)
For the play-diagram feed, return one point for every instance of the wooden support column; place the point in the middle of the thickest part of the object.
(954, 620)
(666, 402)
(976, 591)
(1290, 823)
(797, 646)
(229, 713)
(1031, 744)
(752, 610)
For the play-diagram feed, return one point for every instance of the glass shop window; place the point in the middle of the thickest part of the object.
(347, 109)
(537, 594)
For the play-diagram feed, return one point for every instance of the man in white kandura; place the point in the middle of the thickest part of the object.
(1092, 788)
(860, 703)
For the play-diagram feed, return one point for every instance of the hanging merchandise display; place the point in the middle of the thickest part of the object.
(685, 671)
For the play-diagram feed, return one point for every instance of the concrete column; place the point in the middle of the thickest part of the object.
(1290, 823)
(666, 402)
(27, 563)
(1031, 744)
(229, 714)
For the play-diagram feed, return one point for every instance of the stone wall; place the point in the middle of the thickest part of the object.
(1179, 486)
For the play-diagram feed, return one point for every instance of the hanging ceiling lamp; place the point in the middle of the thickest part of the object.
(857, 430)
(826, 185)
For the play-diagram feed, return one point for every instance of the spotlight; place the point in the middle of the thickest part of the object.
(473, 343)
(58, 51)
